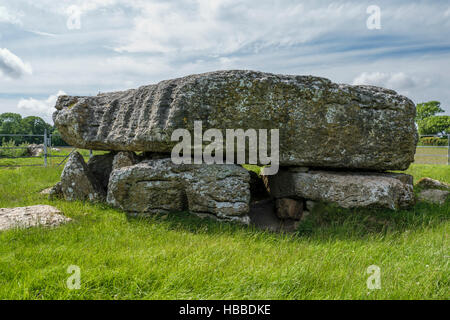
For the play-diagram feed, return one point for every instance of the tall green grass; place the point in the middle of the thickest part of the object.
(179, 256)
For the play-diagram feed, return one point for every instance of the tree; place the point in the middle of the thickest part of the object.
(435, 125)
(428, 109)
(10, 123)
(13, 123)
(428, 122)
(34, 125)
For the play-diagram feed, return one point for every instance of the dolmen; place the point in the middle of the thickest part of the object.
(179, 145)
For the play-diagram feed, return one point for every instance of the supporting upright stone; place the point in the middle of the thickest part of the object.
(78, 183)
(162, 186)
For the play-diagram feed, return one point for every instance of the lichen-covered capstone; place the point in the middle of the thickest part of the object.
(321, 123)
(155, 186)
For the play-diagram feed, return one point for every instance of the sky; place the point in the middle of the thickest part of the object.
(49, 48)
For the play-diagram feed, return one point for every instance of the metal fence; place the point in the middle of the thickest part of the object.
(433, 154)
(48, 152)
(430, 154)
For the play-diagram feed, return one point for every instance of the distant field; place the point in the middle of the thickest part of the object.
(431, 155)
(51, 161)
(424, 155)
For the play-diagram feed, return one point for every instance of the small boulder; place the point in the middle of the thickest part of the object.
(35, 150)
(428, 183)
(434, 196)
(287, 208)
(46, 191)
(25, 217)
(78, 183)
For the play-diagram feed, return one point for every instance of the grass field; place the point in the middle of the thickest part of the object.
(180, 256)
(54, 158)
(431, 155)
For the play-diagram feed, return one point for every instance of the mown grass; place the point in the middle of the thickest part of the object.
(431, 155)
(179, 256)
(54, 158)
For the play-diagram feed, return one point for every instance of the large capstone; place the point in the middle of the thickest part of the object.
(158, 186)
(321, 123)
(346, 189)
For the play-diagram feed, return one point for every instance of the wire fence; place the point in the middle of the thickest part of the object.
(42, 153)
(435, 152)
(49, 154)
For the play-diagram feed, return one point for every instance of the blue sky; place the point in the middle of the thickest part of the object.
(84, 47)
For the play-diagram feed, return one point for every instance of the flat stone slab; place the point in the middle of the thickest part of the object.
(321, 123)
(25, 217)
(346, 189)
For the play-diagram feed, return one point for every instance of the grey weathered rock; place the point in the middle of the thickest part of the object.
(154, 186)
(310, 205)
(434, 195)
(101, 166)
(46, 191)
(346, 189)
(322, 124)
(35, 150)
(55, 191)
(25, 217)
(78, 183)
(124, 159)
(428, 183)
(287, 208)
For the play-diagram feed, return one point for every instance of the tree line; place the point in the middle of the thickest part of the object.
(14, 123)
(429, 121)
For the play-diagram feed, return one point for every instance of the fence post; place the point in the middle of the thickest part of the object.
(448, 149)
(45, 147)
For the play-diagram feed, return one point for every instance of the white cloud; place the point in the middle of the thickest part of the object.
(12, 66)
(398, 80)
(43, 108)
(226, 26)
(447, 13)
(9, 17)
(159, 39)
